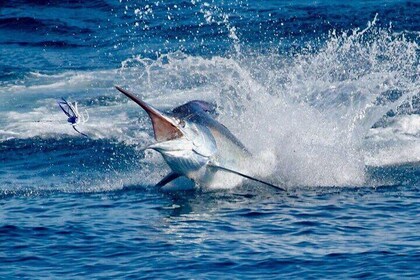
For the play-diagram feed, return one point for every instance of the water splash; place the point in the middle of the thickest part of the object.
(304, 114)
(214, 14)
(310, 110)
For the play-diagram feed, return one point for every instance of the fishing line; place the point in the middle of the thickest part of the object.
(248, 177)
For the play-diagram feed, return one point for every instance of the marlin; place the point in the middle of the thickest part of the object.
(194, 144)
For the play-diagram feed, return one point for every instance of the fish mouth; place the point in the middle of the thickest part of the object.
(174, 145)
(164, 127)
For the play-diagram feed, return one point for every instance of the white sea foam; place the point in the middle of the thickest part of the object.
(306, 116)
(397, 143)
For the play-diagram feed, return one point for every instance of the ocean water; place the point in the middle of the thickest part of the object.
(325, 94)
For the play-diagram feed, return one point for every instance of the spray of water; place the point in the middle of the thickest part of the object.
(305, 114)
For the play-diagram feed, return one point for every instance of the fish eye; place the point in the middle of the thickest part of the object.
(182, 123)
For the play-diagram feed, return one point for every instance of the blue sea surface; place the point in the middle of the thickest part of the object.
(325, 94)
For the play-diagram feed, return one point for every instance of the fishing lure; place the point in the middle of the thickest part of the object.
(72, 112)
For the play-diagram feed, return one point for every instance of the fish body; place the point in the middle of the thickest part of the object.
(194, 144)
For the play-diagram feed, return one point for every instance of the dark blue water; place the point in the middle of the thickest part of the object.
(324, 93)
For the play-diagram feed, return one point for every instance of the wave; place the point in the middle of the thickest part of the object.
(53, 44)
(394, 144)
(37, 166)
(42, 26)
(68, 3)
(311, 110)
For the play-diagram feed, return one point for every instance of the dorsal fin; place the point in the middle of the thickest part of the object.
(163, 127)
(195, 107)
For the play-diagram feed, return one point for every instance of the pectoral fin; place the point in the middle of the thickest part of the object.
(168, 178)
(246, 176)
